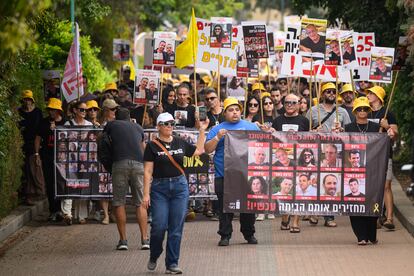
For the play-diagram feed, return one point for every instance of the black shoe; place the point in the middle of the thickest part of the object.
(251, 240)
(122, 245)
(224, 242)
(152, 264)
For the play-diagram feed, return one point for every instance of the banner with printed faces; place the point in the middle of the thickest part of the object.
(305, 173)
(164, 48)
(147, 87)
(312, 39)
(120, 50)
(255, 40)
(382, 60)
(221, 32)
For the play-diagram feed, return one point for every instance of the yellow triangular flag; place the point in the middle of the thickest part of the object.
(131, 65)
(186, 52)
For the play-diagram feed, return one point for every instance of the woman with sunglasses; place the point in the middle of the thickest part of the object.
(253, 107)
(92, 109)
(365, 228)
(166, 189)
(81, 206)
(268, 111)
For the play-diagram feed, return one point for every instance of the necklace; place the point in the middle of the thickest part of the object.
(166, 144)
(363, 130)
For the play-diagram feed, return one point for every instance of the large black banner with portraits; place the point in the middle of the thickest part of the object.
(78, 174)
(305, 173)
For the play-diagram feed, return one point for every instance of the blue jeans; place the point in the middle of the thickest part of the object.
(169, 199)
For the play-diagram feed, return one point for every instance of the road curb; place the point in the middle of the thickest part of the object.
(403, 207)
(19, 217)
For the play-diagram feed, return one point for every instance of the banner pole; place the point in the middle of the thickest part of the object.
(310, 95)
(336, 94)
(392, 93)
(268, 74)
(288, 84)
(77, 84)
(352, 81)
(195, 86)
(143, 115)
(245, 98)
(218, 74)
(161, 85)
(319, 98)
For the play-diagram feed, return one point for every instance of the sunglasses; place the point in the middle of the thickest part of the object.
(253, 105)
(290, 102)
(362, 109)
(330, 91)
(82, 109)
(113, 109)
(308, 155)
(268, 103)
(210, 99)
(283, 83)
(93, 109)
(167, 124)
(305, 95)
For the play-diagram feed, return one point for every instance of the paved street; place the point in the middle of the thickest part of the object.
(42, 249)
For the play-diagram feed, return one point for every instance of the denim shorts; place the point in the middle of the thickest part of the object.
(127, 173)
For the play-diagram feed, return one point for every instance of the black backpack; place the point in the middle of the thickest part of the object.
(105, 151)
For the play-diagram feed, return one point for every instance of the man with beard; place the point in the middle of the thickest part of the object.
(282, 85)
(183, 94)
(329, 185)
(277, 101)
(215, 111)
(348, 97)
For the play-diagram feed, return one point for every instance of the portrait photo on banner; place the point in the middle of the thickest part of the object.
(283, 157)
(258, 185)
(221, 32)
(120, 50)
(330, 186)
(147, 87)
(354, 187)
(312, 39)
(331, 157)
(307, 156)
(382, 60)
(51, 84)
(258, 158)
(306, 186)
(164, 48)
(332, 48)
(282, 185)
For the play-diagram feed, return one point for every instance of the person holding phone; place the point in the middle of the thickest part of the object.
(215, 112)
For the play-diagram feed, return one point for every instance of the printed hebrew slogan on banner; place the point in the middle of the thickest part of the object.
(295, 173)
(255, 40)
(78, 173)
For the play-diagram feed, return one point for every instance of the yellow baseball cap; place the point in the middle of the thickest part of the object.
(378, 91)
(347, 88)
(361, 102)
(55, 103)
(110, 86)
(92, 104)
(231, 101)
(328, 85)
(28, 94)
(258, 86)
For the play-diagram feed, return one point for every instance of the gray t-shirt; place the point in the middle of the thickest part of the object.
(126, 140)
(328, 124)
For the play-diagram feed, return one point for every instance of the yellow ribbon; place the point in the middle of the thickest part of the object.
(376, 208)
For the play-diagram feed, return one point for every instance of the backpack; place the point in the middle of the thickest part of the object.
(105, 151)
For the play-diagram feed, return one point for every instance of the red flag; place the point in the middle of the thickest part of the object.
(72, 83)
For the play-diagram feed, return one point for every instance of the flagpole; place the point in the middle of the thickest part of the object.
(161, 85)
(318, 100)
(218, 74)
(392, 93)
(246, 95)
(336, 95)
(268, 73)
(310, 95)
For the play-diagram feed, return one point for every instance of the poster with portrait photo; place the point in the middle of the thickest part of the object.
(258, 185)
(93, 167)
(271, 41)
(83, 167)
(92, 134)
(192, 178)
(189, 137)
(203, 178)
(235, 88)
(255, 40)
(349, 56)
(306, 186)
(164, 48)
(73, 146)
(120, 50)
(221, 32)
(62, 156)
(331, 157)
(259, 158)
(282, 185)
(330, 187)
(83, 156)
(312, 39)
(147, 87)
(355, 157)
(62, 136)
(307, 156)
(354, 187)
(242, 69)
(93, 156)
(62, 146)
(382, 60)
(283, 157)
(51, 84)
(332, 47)
(202, 189)
(193, 189)
(83, 146)
(73, 156)
(401, 54)
(73, 135)
(180, 117)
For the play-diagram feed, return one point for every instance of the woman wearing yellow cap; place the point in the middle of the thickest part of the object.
(44, 151)
(33, 182)
(92, 110)
(365, 228)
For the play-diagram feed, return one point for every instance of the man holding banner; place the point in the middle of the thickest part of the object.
(215, 142)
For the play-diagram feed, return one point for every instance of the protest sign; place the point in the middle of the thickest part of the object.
(209, 58)
(293, 184)
(292, 40)
(349, 58)
(78, 174)
(333, 50)
(164, 48)
(381, 64)
(363, 44)
(51, 84)
(120, 50)
(401, 54)
(147, 87)
(312, 39)
(291, 20)
(271, 42)
(221, 32)
(255, 40)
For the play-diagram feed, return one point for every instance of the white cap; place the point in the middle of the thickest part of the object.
(164, 117)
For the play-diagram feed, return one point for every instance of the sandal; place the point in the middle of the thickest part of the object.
(284, 225)
(305, 218)
(389, 224)
(374, 242)
(362, 242)
(313, 220)
(294, 229)
(330, 223)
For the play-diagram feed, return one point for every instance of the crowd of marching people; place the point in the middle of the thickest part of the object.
(154, 170)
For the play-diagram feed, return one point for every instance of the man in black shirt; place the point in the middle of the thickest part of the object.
(127, 170)
(291, 120)
(335, 54)
(215, 112)
(349, 53)
(313, 43)
(126, 74)
(354, 187)
(184, 113)
(277, 101)
(348, 96)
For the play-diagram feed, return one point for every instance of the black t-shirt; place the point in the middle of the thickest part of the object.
(376, 116)
(170, 108)
(267, 119)
(349, 56)
(296, 123)
(186, 117)
(215, 119)
(47, 136)
(334, 59)
(354, 127)
(29, 126)
(126, 140)
(315, 47)
(163, 168)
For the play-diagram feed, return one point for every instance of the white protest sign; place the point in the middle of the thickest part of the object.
(291, 65)
(207, 58)
(363, 44)
(382, 60)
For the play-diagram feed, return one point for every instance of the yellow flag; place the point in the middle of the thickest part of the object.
(186, 52)
(132, 66)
